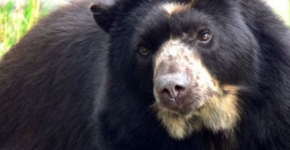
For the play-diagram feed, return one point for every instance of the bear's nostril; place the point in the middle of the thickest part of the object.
(165, 92)
(179, 88)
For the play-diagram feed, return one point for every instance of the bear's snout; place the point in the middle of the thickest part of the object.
(171, 88)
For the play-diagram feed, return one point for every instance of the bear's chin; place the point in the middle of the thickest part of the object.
(217, 113)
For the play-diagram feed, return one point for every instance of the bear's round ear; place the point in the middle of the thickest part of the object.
(103, 15)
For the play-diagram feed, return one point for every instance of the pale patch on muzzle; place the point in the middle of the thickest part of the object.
(188, 98)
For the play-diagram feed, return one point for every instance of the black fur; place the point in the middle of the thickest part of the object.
(68, 85)
(49, 81)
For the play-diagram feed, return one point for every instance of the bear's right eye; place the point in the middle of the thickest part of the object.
(144, 51)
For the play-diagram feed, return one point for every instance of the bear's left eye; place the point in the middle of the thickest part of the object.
(144, 51)
(205, 36)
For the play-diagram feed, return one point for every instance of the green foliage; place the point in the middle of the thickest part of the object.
(17, 20)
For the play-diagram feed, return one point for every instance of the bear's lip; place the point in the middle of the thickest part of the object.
(183, 109)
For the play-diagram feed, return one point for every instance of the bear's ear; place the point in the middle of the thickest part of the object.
(103, 15)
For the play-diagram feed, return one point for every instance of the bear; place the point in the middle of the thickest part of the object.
(149, 75)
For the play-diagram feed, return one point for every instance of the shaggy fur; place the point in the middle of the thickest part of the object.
(74, 84)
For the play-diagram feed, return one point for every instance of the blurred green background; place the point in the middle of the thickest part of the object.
(18, 16)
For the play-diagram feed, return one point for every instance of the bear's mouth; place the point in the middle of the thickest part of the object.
(182, 110)
(188, 103)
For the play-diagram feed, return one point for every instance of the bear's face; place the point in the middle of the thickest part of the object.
(194, 57)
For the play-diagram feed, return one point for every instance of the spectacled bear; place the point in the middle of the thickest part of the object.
(149, 75)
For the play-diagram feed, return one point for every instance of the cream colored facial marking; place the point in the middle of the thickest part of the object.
(218, 111)
(174, 51)
(171, 8)
(221, 111)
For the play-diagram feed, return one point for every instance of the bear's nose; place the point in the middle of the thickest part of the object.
(172, 85)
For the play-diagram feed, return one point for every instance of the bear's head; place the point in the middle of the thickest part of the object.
(194, 57)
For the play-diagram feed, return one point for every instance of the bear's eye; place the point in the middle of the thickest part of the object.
(144, 51)
(205, 36)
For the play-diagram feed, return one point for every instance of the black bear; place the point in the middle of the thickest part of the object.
(149, 75)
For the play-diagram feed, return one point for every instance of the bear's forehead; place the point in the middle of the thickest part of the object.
(180, 14)
(174, 17)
